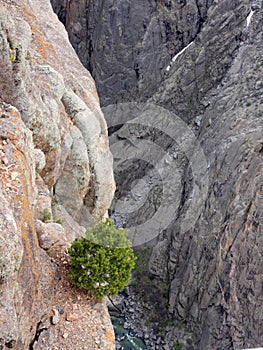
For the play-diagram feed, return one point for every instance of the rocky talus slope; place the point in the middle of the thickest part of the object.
(56, 180)
(212, 249)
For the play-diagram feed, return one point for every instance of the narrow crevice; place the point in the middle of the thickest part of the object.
(39, 330)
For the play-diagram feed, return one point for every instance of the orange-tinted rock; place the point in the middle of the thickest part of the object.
(37, 151)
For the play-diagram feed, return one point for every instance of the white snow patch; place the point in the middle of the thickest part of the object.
(179, 53)
(249, 18)
(176, 56)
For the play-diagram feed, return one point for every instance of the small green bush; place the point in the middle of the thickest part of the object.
(178, 346)
(102, 261)
(45, 216)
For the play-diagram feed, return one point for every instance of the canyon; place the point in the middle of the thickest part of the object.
(180, 89)
(201, 62)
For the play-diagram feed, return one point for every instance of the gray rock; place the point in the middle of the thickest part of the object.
(214, 260)
(50, 234)
(71, 190)
(40, 160)
(127, 46)
(10, 244)
(55, 317)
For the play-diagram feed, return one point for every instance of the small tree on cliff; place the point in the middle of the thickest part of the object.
(102, 261)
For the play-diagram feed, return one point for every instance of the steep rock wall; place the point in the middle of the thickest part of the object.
(215, 86)
(55, 166)
(128, 45)
(215, 267)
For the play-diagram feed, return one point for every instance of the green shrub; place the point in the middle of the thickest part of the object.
(102, 261)
(178, 346)
(45, 216)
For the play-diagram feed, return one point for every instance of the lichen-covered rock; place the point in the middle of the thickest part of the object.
(77, 163)
(10, 243)
(49, 169)
(50, 235)
(36, 81)
(23, 282)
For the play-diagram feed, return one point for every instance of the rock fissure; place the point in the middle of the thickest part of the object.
(39, 329)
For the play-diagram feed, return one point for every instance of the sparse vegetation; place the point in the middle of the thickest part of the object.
(102, 261)
(148, 322)
(45, 216)
(28, 55)
(151, 289)
(178, 346)
(171, 323)
(13, 55)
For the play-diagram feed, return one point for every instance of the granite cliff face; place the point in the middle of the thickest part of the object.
(128, 45)
(215, 87)
(56, 180)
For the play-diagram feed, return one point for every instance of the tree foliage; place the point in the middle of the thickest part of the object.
(102, 261)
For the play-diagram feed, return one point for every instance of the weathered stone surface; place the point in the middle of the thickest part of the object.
(215, 266)
(24, 290)
(10, 243)
(43, 201)
(71, 190)
(40, 160)
(37, 67)
(203, 64)
(50, 234)
(72, 228)
(40, 150)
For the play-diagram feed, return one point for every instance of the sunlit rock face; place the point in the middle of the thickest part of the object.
(202, 61)
(55, 163)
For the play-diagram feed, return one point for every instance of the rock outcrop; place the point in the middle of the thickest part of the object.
(56, 176)
(202, 61)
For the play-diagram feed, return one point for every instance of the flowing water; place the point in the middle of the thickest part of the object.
(124, 337)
